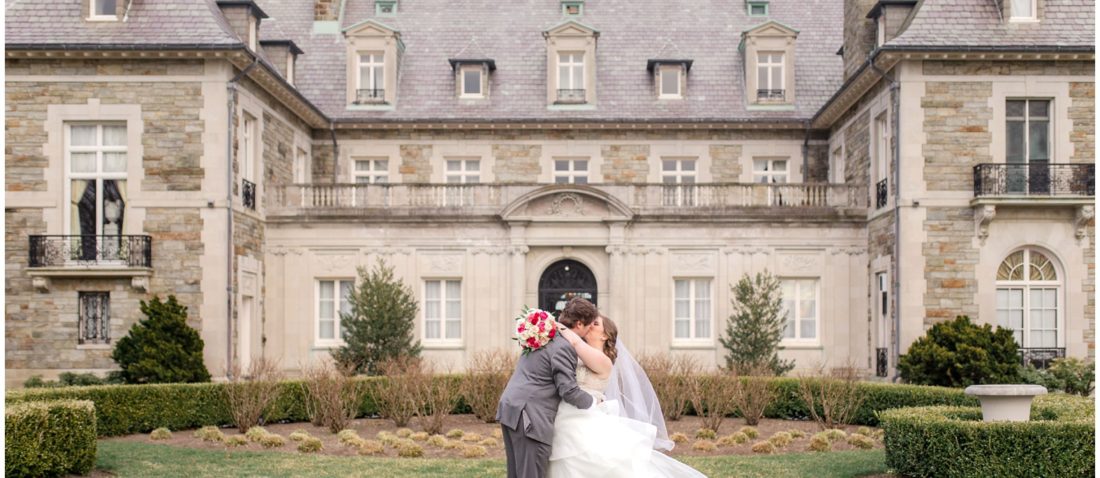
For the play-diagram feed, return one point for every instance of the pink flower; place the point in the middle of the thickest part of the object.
(521, 328)
(552, 331)
(542, 315)
(532, 342)
(542, 326)
(534, 319)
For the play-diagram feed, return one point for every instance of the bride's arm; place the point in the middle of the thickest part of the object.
(594, 359)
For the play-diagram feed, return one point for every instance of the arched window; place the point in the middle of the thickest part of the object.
(1029, 299)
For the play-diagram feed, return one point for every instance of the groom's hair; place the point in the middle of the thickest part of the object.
(578, 310)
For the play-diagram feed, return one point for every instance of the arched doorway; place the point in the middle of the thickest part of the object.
(564, 280)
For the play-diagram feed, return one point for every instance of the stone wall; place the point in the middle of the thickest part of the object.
(1082, 112)
(18, 67)
(950, 260)
(416, 164)
(625, 163)
(1089, 288)
(177, 247)
(817, 162)
(857, 156)
(516, 163)
(725, 163)
(956, 122)
(326, 10)
(1011, 68)
(278, 140)
(859, 34)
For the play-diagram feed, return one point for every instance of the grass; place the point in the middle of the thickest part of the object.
(140, 459)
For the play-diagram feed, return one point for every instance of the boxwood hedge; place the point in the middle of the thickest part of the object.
(128, 409)
(944, 441)
(49, 438)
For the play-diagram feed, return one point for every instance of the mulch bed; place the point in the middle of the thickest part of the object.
(368, 428)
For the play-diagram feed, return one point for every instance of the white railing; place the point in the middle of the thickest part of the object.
(492, 198)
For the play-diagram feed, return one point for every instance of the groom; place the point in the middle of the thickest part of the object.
(542, 379)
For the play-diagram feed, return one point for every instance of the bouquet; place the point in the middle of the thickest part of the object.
(534, 329)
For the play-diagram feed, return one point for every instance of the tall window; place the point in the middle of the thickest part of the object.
(248, 147)
(371, 171)
(301, 166)
(94, 318)
(769, 82)
(372, 78)
(570, 170)
(693, 312)
(332, 300)
(104, 9)
(472, 81)
(669, 78)
(96, 156)
(571, 76)
(1028, 299)
(769, 170)
(882, 306)
(442, 310)
(1023, 9)
(836, 165)
(800, 302)
(463, 171)
(1027, 128)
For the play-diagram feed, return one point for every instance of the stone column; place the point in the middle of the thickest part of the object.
(518, 249)
(615, 277)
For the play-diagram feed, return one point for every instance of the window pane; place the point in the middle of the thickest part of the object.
(432, 290)
(762, 76)
(1021, 8)
(563, 76)
(454, 290)
(454, 309)
(687, 165)
(114, 162)
(1016, 298)
(683, 329)
(561, 180)
(670, 81)
(473, 165)
(472, 82)
(578, 77)
(1038, 109)
(379, 78)
(362, 165)
(1014, 152)
(114, 135)
(580, 165)
(83, 162)
(668, 165)
(580, 180)
(1040, 147)
(561, 165)
(809, 329)
(453, 165)
(105, 7)
(760, 165)
(345, 291)
(113, 206)
(779, 165)
(683, 309)
(82, 135)
(431, 329)
(1015, 108)
(381, 165)
(454, 329)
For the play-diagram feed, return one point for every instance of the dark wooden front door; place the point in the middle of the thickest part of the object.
(564, 280)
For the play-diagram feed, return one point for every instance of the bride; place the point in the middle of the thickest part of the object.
(620, 436)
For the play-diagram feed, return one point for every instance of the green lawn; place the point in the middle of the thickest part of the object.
(161, 461)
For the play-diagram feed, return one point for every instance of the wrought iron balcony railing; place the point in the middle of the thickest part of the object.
(1035, 179)
(1040, 357)
(85, 251)
(375, 95)
(882, 192)
(571, 96)
(248, 194)
(491, 199)
(881, 363)
(771, 95)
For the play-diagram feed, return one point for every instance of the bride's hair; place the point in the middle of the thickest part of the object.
(612, 332)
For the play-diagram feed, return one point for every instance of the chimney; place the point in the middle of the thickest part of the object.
(859, 34)
(282, 54)
(888, 17)
(244, 17)
(326, 10)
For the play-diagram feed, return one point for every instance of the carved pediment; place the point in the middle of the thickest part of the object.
(567, 204)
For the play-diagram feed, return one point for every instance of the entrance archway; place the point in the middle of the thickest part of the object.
(564, 280)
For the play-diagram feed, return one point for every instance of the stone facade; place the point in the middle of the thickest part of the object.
(415, 163)
(949, 264)
(625, 163)
(1082, 112)
(956, 120)
(516, 163)
(725, 163)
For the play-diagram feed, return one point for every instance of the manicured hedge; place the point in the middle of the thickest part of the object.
(878, 396)
(51, 438)
(955, 442)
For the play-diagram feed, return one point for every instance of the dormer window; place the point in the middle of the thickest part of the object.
(103, 10)
(880, 31)
(768, 51)
(669, 77)
(371, 84)
(572, 8)
(769, 83)
(758, 9)
(385, 8)
(571, 77)
(472, 77)
(571, 64)
(1023, 10)
(253, 35)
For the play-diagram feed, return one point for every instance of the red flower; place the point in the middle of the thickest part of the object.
(532, 342)
(534, 319)
(552, 331)
(542, 326)
(542, 315)
(521, 328)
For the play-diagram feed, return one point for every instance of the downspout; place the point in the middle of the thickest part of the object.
(231, 87)
(335, 154)
(896, 179)
(806, 153)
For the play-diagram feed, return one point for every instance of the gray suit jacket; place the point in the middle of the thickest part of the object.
(542, 379)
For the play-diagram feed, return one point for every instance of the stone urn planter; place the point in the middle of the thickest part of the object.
(1006, 403)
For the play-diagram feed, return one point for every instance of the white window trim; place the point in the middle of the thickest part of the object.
(836, 166)
(355, 174)
(338, 341)
(1026, 285)
(463, 174)
(290, 68)
(880, 29)
(441, 342)
(782, 83)
(679, 72)
(248, 142)
(680, 173)
(881, 144)
(771, 173)
(302, 169)
(96, 176)
(757, 4)
(462, 82)
(1027, 127)
(253, 34)
(571, 173)
(370, 63)
(796, 341)
(881, 283)
(1034, 17)
(93, 17)
(692, 340)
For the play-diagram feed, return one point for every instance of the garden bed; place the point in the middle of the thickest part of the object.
(370, 427)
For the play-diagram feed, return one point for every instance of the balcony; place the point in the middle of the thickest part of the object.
(370, 96)
(882, 192)
(248, 194)
(1040, 181)
(770, 202)
(771, 96)
(1040, 357)
(571, 96)
(90, 256)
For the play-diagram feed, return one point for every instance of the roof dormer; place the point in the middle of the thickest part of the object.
(373, 56)
(571, 63)
(283, 54)
(103, 10)
(889, 16)
(244, 17)
(768, 51)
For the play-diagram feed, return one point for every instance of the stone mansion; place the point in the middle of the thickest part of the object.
(896, 163)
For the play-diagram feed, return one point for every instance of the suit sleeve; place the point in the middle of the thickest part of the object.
(564, 365)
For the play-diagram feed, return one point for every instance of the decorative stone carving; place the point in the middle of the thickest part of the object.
(445, 263)
(140, 283)
(800, 262)
(520, 250)
(615, 250)
(982, 217)
(558, 207)
(693, 263)
(1081, 222)
(41, 284)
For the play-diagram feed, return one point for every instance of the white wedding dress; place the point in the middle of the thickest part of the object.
(598, 442)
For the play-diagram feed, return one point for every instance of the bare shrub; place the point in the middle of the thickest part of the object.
(395, 395)
(712, 395)
(251, 396)
(754, 394)
(486, 377)
(332, 395)
(832, 399)
(435, 397)
(669, 375)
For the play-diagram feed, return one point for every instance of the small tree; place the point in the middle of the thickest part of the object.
(756, 326)
(380, 324)
(959, 353)
(161, 348)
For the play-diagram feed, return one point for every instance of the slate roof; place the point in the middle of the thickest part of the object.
(160, 23)
(510, 32)
(977, 24)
